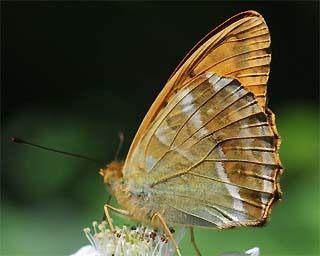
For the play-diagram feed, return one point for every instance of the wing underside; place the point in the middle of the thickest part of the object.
(210, 158)
(239, 48)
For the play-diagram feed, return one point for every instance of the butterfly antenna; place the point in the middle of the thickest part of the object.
(121, 140)
(20, 141)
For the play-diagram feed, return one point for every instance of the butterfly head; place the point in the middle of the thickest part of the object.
(112, 173)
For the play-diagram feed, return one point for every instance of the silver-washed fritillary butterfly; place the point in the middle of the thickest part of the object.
(206, 153)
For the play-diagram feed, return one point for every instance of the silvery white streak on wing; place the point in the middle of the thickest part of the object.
(187, 100)
(162, 131)
(214, 77)
(189, 108)
(219, 82)
(160, 128)
(233, 190)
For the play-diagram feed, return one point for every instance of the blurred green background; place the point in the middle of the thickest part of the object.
(74, 74)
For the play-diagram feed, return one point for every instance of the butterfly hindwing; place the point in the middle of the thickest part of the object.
(210, 157)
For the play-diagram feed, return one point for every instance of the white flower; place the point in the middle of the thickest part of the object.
(87, 250)
(255, 251)
(138, 241)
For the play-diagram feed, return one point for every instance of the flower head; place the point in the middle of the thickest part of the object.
(136, 241)
(255, 251)
(133, 241)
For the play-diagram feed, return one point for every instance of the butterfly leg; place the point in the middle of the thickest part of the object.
(193, 241)
(108, 218)
(104, 217)
(120, 212)
(167, 230)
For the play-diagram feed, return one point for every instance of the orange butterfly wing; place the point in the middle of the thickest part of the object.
(238, 48)
(206, 154)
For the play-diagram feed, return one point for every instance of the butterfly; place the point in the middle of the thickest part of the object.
(207, 151)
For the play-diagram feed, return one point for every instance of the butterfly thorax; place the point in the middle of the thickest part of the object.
(133, 197)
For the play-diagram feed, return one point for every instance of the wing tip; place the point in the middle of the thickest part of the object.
(251, 13)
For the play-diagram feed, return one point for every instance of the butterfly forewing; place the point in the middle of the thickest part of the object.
(239, 48)
(209, 159)
(240, 51)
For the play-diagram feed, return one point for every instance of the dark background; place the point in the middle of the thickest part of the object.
(73, 74)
